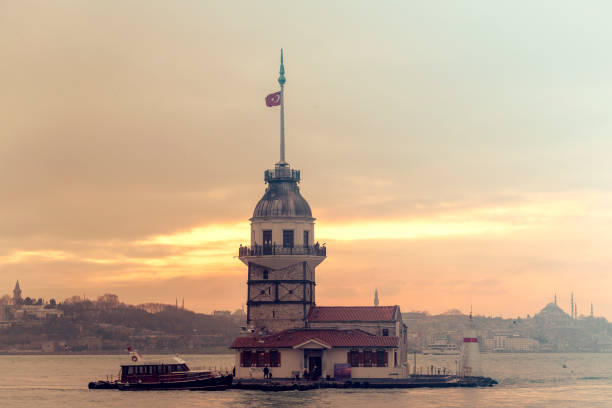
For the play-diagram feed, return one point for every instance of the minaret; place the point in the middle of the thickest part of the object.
(555, 299)
(283, 254)
(17, 294)
(591, 309)
(575, 311)
(572, 304)
(376, 297)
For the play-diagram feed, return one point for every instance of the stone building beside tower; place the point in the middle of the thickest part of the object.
(286, 330)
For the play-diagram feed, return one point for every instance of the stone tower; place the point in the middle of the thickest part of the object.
(17, 294)
(283, 255)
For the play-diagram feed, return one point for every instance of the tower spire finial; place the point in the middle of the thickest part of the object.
(281, 78)
(281, 81)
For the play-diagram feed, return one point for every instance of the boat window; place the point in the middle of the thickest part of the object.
(149, 369)
(128, 370)
(184, 367)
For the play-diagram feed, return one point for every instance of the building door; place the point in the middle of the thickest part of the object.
(267, 242)
(314, 367)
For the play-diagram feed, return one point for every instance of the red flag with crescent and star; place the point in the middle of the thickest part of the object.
(274, 99)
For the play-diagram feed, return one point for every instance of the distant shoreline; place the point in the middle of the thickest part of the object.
(208, 350)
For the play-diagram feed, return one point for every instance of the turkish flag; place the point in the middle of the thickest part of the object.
(274, 99)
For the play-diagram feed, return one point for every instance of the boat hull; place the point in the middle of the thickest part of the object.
(208, 384)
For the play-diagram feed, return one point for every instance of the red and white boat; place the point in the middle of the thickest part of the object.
(171, 374)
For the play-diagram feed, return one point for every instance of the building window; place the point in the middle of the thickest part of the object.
(385, 332)
(261, 358)
(275, 360)
(367, 358)
(245, 358)
(306, 241)
(291, 291)
(287, 238)
(381, 358)
(353, 358)
(267, 242)
(262, 292)
(265, 274)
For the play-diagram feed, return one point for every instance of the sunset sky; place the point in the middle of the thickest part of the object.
(453, 153)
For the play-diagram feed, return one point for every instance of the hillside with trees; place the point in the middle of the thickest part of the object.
(107, 325)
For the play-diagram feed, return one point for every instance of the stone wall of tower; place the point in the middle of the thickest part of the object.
(280, 299)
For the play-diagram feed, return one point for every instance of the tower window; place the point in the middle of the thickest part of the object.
(262, 292)
(306, 241)
(267, 242)
(265, 274)
(291, 291)
(287, 238)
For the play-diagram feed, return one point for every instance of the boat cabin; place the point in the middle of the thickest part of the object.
(153, 371)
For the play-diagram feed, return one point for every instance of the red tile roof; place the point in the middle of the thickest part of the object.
(352, 313)
(333, 338)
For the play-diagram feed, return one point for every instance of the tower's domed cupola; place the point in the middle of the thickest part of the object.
(282, 197)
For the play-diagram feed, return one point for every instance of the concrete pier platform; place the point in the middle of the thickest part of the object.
(416, 381)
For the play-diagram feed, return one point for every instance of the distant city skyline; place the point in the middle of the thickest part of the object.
(47, 298)
(453, 155)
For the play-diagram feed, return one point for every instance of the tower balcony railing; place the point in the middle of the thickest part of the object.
(282, 173)
(273, 249)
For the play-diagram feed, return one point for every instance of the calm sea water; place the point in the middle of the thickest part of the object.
(526, 380)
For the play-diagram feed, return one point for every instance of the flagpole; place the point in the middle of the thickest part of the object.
(281, 81)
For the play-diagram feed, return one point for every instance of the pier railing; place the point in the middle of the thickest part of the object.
(265, 250)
